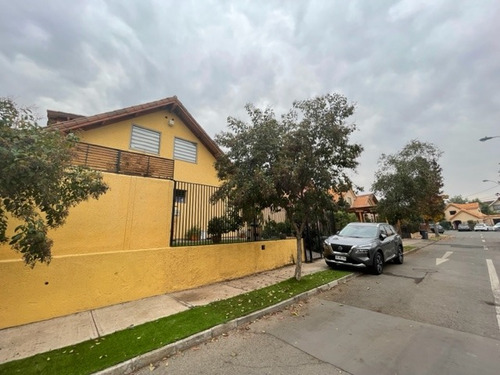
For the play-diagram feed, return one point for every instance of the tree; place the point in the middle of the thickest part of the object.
(458, 199)
(483, 207)
(292, 163)
(410, 184)
(38, 184)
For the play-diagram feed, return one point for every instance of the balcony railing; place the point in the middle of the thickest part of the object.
(125, 162)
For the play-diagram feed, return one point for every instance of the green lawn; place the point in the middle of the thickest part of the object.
(94, 355)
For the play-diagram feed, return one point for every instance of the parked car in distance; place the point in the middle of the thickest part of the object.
(432, 228)
(364, 245)
(480, 227)
(496, 227)
(462, 227)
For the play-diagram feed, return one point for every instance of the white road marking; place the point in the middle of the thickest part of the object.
(495, 287)
(444, 258)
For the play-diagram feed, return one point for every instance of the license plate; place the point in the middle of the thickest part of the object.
(340, 257)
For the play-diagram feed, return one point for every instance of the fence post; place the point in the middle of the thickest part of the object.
(172, 221)
(118, 160)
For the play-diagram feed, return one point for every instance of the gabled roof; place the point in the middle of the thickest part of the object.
(58, 116)
(103, 119)
(494, 202)
(360, 201)
(365, 200)
(467, 208)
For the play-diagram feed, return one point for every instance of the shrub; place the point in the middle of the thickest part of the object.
(193, 233)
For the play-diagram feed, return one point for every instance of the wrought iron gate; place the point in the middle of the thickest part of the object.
(315, 233)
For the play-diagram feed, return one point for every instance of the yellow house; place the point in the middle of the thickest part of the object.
(118, 248)
(162, 128)
(457, 213)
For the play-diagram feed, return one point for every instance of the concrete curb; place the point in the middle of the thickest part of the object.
(136, 363)
(141, 361)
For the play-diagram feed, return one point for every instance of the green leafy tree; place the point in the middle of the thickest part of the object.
(484, 207)
(410, 184)
(291, 163)
(458, 199)
(38, 184)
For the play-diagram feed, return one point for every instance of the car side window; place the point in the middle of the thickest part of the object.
(383, 230)
(389, 230)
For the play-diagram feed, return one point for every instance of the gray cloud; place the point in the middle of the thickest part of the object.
(416, 69)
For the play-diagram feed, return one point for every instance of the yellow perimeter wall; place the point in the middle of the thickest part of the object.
(116, 249)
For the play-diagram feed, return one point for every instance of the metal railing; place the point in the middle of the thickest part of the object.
(193, 213)
(113, 160)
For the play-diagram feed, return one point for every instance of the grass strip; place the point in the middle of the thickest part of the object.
(95, 355)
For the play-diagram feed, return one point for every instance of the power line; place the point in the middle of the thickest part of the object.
(482, 191)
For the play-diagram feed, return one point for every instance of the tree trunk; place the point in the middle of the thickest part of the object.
(298, 265)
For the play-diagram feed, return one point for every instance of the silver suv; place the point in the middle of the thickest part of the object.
(364, 245)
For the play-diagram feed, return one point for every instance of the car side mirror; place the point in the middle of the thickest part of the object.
(383, 236)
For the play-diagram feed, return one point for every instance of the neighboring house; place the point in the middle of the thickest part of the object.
(157, 161)
(364, 205)
(494, 205)
(457, 213)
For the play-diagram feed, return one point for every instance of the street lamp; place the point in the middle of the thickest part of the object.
(484, 139)
(496, 182)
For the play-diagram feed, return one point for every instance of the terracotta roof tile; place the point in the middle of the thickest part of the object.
(365, 200)
(171, 103)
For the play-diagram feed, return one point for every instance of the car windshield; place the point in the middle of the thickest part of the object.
(359, 231)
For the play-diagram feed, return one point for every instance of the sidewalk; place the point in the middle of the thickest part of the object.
(30, 339)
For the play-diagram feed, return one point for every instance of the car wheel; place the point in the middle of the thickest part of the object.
(378, 263)
(400, 256)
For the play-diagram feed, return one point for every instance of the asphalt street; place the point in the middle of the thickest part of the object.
(438, 313)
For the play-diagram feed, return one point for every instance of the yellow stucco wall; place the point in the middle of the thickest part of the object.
(135, 213)
(115, 249)
(117, 135)
(73, 283)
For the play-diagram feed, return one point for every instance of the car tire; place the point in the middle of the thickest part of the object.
(399, 256)
(378, 263)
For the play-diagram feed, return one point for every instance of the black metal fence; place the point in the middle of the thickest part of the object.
(198, 221)
(315, 233)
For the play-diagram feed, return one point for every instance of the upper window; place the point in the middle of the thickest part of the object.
(185, 150)
(453, 212)
(145, 140)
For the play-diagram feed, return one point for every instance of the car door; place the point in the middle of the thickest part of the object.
(389, 243)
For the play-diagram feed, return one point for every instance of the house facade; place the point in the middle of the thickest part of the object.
(364, 206)
(118, 248)
(457, 213)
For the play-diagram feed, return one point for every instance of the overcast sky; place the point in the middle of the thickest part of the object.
(426, 70)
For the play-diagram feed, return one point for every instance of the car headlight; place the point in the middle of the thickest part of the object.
(362, 249)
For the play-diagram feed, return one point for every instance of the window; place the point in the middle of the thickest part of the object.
(180, 196)
(389, 230)
(145, 140)
(185, 150)
(453, 212)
